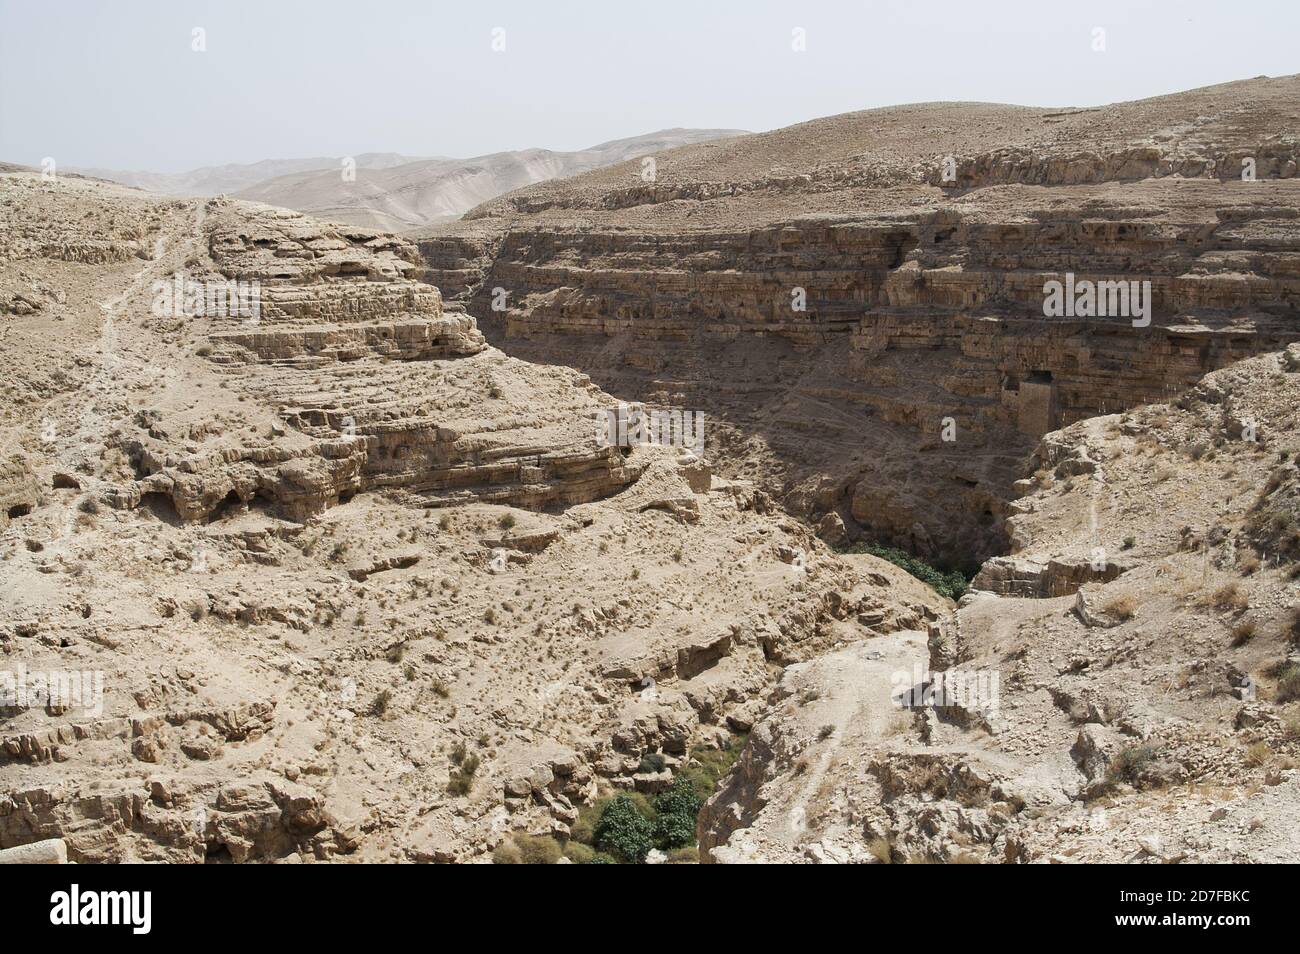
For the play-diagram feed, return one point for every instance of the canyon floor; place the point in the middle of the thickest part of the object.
(361, 582)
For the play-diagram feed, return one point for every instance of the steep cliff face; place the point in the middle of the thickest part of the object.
(862, 321)
(909, 326)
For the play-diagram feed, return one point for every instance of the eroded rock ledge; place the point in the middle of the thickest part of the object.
(378, 388)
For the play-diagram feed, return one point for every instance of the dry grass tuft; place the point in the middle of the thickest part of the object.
(1122, 607)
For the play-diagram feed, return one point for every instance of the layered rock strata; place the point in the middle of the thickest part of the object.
(864, 303)
(376, 386)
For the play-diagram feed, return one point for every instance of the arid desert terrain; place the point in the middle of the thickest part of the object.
(347, 568)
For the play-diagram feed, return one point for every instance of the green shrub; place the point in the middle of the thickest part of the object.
(674, 830)
(623, 831)
(675, 813)
(950, 583)
(680, 799)
(584, 829)
(652, 763)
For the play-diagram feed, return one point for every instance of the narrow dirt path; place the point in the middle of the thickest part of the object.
(124, 358)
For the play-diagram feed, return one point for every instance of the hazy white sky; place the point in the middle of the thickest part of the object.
(118, 85)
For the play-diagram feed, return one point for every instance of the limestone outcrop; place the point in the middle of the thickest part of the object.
(375, 385)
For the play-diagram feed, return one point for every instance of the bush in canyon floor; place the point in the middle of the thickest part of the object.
(625, 827)
(675, 812)
(629, 827)
(623, 831)
(949, 583)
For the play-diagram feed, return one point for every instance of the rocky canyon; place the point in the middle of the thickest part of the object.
(314, 545)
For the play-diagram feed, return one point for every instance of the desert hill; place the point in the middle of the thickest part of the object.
(393, 191)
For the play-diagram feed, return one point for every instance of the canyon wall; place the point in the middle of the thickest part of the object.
(811, 342)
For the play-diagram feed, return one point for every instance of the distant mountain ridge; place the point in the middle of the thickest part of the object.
(397, 192)
(234, 176)
(417, 194)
